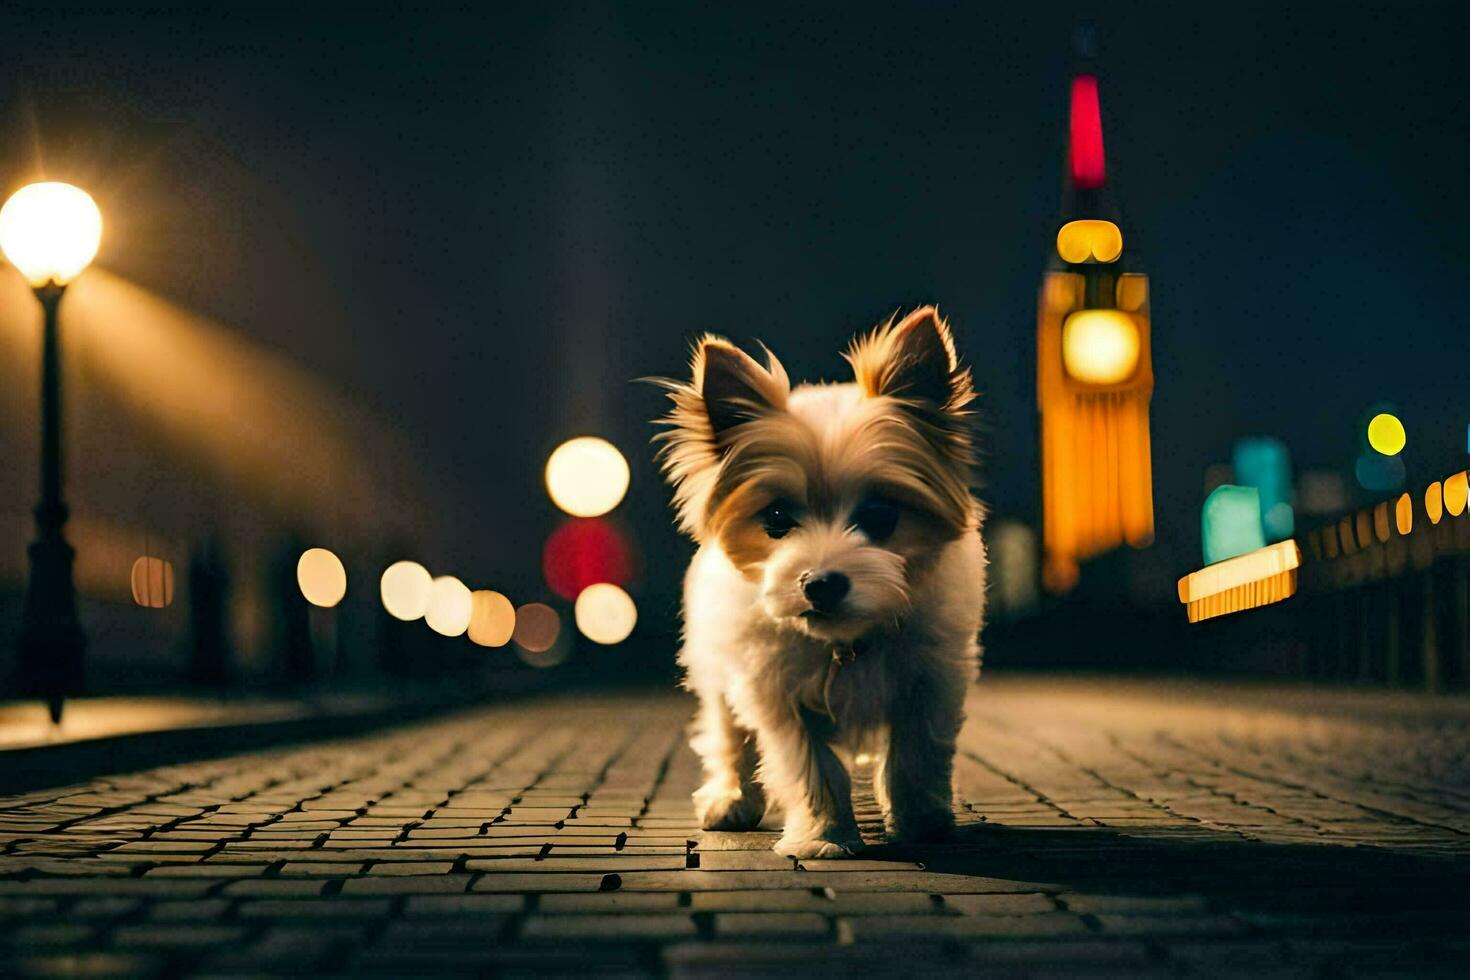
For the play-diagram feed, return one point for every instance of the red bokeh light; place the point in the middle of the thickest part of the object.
(583, 552)
(1089, 169)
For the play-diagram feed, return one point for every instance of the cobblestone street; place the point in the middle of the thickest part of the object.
(1106, 828)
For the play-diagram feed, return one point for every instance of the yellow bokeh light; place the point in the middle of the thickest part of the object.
(605, 613)
(587, 476)
(1090, 238)
(537, 627)
(321, 576)
(153, 582)
(50, 231)
(1456, 489)
(1403, 513)
(1386, 434)
(450, 606)
(404, 588)
(493, 619)
(1100, 346)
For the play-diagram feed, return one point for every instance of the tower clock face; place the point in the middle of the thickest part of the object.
(1100, 347)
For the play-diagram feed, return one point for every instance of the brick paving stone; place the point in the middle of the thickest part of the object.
(825, 901)
(172, 936)
(730, 925)
(328, 868)
(411, 868)
(617, 901)
(592, 928)
(1058, 924)
(431, 884)
(529, 883)
(349, 910)
(1000, 904)
(1105, 828)
(437, 905)
(274, 888)
(208, 909)
(744, 861)
(288, 949)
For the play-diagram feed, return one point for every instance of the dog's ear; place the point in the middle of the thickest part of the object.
(727, 388)
(912, 360)
(734, 387)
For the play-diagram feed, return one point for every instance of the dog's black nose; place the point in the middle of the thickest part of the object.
(826, 590)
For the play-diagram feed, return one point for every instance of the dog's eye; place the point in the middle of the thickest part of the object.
(876, 520)
(777, 519)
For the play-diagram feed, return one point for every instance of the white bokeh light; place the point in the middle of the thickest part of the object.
(605, 613)
(404, 588)
(451, 606)
(586, 476)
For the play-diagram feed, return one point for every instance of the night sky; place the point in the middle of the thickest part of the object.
(482, 226)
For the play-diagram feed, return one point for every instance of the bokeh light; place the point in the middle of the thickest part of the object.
(404, 588)
(537, 627)
(587, 476)
(153, 582)
(1434, 502)
(1090, 238)
(605, 613)
(321, 576)
(1263, 462)
(492, 620)
(584, 552)
(1403, 514)
(1386, 434)
(450, 606)
(1456, 489)
(50, 231)
(1377, 472)
(1230, 523)
(1100, 347)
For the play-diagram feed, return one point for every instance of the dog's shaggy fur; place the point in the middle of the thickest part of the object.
(834, 604)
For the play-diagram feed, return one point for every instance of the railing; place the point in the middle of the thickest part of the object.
(1382, 594)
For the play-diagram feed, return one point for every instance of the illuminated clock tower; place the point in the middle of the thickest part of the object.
(1094, 368)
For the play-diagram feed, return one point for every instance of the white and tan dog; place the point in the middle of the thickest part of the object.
(834, 605)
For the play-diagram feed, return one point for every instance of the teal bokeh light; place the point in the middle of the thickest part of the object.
(1264, 463)
(1230, 522)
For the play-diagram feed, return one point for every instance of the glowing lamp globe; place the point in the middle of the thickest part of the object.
(451, 606)
(404, 589)
(50, 231)
(321, 576)
(1100, 347)
(586, 476)
(605, 613)
(1089, 239)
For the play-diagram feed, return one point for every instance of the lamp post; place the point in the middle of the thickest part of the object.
(50, 232)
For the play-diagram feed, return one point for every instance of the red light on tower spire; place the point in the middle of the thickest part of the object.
(1085, 156)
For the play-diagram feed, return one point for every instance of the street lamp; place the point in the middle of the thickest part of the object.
(50, 232)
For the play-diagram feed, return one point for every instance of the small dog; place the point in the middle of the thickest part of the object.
(835, 602)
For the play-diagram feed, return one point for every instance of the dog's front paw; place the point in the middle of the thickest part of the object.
(819, 847)
(721, 808)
